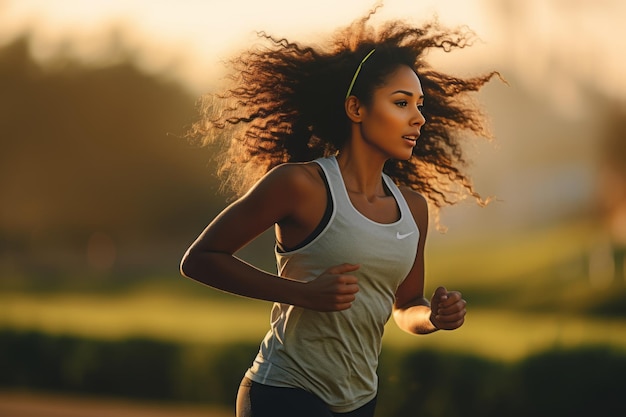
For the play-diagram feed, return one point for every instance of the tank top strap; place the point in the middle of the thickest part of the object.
(397, 194)
(335, 181)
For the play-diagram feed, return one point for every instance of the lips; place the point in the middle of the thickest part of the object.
(411, 138)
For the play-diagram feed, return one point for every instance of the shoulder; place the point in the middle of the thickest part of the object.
(299, 174)
(418, 205)
(416, 201)
(292, 179)
(282, 192)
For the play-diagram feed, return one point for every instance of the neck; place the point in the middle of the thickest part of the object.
(361, 172)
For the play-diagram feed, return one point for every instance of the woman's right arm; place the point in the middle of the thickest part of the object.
(277, 196)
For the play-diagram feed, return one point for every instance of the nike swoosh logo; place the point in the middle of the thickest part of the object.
(404, 236)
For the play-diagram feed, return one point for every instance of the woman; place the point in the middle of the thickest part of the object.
(329, 136)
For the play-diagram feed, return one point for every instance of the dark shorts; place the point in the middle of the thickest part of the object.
(258, 400)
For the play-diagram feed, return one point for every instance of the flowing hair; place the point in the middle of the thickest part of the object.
(286, 104)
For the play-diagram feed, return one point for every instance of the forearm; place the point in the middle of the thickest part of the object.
(415, 318)
(225, 272)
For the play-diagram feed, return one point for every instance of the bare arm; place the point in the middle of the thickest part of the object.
(280, 195)
(412, 311)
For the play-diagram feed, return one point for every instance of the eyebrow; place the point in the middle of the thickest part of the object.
(408, 93)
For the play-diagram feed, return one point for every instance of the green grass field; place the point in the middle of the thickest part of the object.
(527, 295)
(494, 333)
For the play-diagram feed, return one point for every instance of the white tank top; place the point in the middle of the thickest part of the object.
(335, 355)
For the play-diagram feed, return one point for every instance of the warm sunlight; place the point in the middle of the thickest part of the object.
(102, 193)
(192, 37)
(546, 41)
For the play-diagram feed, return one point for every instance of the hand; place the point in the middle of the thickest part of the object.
(333, 290)
(447, 309)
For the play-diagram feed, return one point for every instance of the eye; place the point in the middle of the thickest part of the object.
(401, 103)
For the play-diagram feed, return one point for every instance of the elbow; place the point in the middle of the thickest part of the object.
(186, 264)
(182, 267)
(196, 263)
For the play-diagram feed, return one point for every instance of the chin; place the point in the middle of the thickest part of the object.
(401, 154)
(404, 156)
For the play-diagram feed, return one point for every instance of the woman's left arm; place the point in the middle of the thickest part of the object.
(412, 311)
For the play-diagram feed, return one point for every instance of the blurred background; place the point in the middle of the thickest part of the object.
(100, 195)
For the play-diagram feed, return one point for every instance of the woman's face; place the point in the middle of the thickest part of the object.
(391, 123)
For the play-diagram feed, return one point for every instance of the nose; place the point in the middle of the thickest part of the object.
(418, 118)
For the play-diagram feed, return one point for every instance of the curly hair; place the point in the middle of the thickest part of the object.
(287, 105)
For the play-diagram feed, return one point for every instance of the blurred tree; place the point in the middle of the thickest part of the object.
(89, 150)
(613, 185)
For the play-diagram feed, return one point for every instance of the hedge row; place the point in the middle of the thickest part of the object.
(415, 383)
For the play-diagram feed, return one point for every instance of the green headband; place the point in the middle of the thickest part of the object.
(356, 73)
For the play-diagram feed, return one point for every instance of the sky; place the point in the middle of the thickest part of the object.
(554, 51)
(558, 43)
(194, 35)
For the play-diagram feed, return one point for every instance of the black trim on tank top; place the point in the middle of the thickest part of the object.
(322, 224)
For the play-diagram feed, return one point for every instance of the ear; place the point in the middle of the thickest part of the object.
(354, 109)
